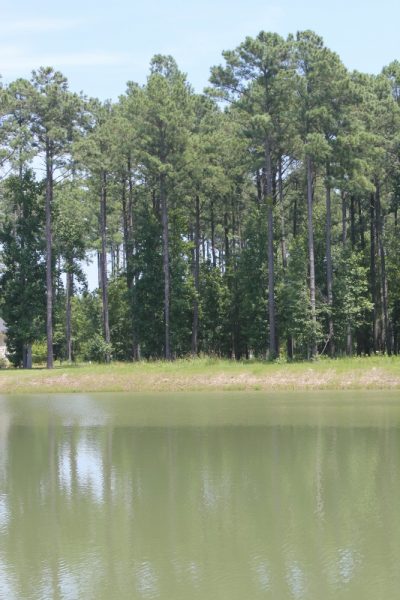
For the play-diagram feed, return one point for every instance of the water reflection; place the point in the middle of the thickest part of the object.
(110, 509)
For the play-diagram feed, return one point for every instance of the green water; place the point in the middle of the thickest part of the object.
(211, 497)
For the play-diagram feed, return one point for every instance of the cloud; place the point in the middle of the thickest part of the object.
(17, 60)
(38, 25)
(85, 59)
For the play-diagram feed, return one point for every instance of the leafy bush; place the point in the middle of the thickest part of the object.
(39, 352)
(4, 363)
(96, 349)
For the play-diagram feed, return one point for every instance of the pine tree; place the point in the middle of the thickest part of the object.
(22, 281)
(55, 114)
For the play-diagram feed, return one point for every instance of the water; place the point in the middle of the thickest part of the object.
(225, 497)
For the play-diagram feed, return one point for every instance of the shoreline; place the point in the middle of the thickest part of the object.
(207, 374)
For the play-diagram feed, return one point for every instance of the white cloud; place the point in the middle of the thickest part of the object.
(37, 25)
(85, 59)
(14, 59)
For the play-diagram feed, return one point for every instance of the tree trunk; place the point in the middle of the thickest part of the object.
(311, 255)
(126, 233)
(349, 341)
(273, 350)
(165, 240)
(27, 356)
(373, 275)
(352, 222)
(104, 278)
(69, 293)
(99, 267)
(221, 258)
(259, 187)
(196, 273)
(226, 240)
(329, 277)
(127, 209)
(295, 217)
(112, 256)
(361, 225)
(135, 341)
(213, 254)
(387, 337)
(290, 347)
(236, 325)
(49, 258)
(344, 219)
(289, 339)
(282, 214)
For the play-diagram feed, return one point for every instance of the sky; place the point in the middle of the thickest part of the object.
(101, 45)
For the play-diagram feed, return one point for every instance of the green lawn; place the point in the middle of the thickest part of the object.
(376, 372)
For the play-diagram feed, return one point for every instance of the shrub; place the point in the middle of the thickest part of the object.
(4, 363)
(39, 352)
(96, 349)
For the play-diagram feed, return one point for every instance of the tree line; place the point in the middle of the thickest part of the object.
(259, 218)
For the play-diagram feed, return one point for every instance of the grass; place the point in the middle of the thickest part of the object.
(207, 374)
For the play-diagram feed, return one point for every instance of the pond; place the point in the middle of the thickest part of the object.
(229, 496)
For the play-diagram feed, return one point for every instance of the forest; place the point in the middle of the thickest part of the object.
(258, 219)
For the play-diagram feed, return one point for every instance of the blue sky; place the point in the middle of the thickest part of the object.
(99, 46)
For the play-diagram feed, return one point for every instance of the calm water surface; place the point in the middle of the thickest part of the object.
(208, 497)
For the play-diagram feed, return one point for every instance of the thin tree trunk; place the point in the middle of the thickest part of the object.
(49, 258)
(349, 341)
(69, 293)
(361, 225)
(129, 248)
(289, 339)
(196, 273)
(27, 356)
(311, 255)
(295, 217)
(104, 278)
(273, 350)
(226, 240)
(165, 239)
(329, 277)
(236, 325)
(213, 254)
(282, 214)
(344, 219)
(99, 259)
(352, 222)
(259, 187)
(112, 256)
(234, 230)
(125, 227)
(373, 275)
(387, 341)
(136, 349)
(290, 347)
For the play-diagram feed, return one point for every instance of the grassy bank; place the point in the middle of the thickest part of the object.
(208, 374)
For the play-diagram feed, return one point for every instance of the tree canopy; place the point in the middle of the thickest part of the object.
(259, 218)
